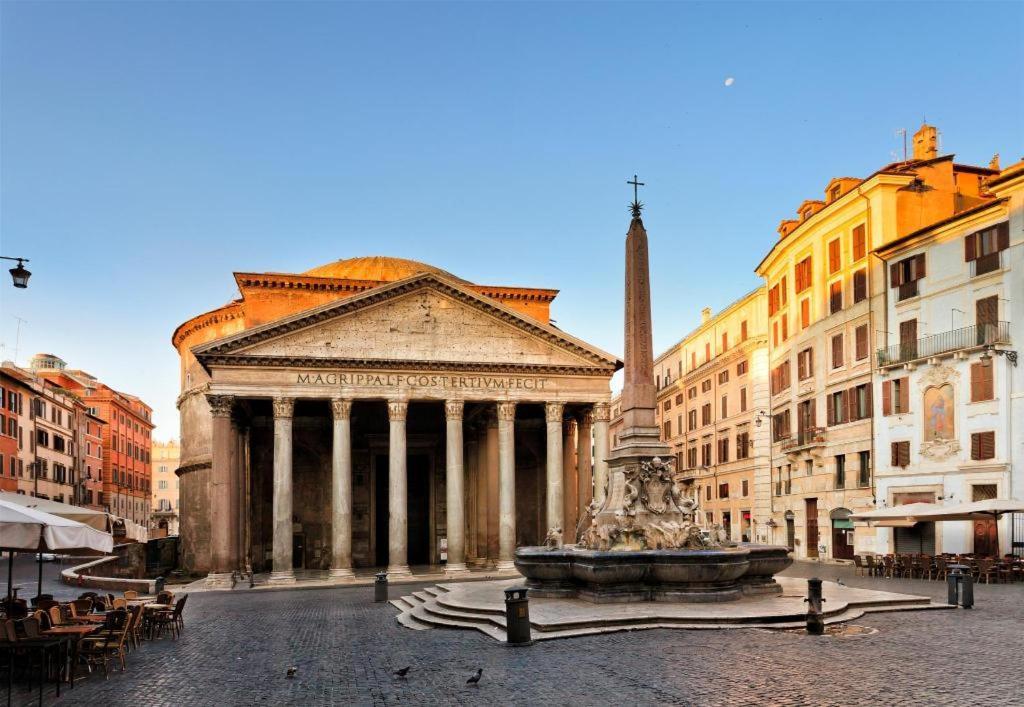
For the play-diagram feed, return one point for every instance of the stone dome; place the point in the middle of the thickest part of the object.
(375, 267)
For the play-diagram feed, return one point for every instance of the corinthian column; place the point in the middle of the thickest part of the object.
(602, 417)
(282, 572)
(569, 479)
(584, 470)
(222, 506)
(341, 489)
(398, 508)
(506, 485)
(454, 488)
(555, 511)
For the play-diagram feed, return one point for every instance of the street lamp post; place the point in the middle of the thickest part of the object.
(19, 274)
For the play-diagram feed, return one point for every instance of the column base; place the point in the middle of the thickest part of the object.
(479, 562)
(504, 565)
(398, 571)
(220, 580)
(282, 577)
(456, 569)
(341, 573)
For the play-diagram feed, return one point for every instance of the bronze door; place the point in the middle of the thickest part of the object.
(986, 538)
(811, 505)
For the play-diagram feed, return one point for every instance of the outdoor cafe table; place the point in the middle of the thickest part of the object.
(76, 634)
(43, 644)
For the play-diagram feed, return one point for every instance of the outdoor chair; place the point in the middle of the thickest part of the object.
(43, 617)
(986, 568)
(82, 606)
(134, 626)
(109, 645)
(120, 603)
(858, 562)
(169, 619)
(888, 566)
(873, 569)
(57, 616)
(164, 597)
(941, 571)
(131, 595)
(47, 604)
(41, 597)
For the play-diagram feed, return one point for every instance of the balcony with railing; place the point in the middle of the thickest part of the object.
(804, 439)
(947, 342)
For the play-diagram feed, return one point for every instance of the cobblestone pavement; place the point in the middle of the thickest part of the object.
(237, 647)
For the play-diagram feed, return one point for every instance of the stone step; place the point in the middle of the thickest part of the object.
(402, 604)
(409, 621)
(435, 609)
(420, 614)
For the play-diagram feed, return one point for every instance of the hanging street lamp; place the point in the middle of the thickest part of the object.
(19, 274)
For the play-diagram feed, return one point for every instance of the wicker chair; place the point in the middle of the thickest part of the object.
(986, 568)
(109, 644)
(83, 606)
(120, 603)
(131, 595)
(168, 618)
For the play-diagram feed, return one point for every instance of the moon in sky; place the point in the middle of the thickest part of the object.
(729, 81)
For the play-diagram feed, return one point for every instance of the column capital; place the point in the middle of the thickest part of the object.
(220, 405)
(587, 418)
(453, 409)
(553, 412)
(341, 408)
(397, 410)
(506, 410)
(569, 425)
(602, 412)
(283, 408)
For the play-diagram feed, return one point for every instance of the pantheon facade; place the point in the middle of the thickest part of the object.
(380, 412)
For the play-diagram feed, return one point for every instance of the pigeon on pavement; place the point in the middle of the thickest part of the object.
(291, 671)
(475, 679)
(402, 672)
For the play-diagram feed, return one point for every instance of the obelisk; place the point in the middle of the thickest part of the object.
(639, 436)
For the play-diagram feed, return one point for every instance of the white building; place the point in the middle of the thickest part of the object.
(948, 393)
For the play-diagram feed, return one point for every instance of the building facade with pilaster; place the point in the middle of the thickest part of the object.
(948, 416)
(712, 403)
(826, 307)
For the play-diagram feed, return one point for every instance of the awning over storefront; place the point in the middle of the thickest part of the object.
(908, 514)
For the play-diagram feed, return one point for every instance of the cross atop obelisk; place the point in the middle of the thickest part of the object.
(636, 206)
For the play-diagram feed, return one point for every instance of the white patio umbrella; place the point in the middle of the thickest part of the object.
(92, 518)
(24, 529)
(977, 510)
(906, 514)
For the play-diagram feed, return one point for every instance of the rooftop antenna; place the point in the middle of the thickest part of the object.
(903, 132)
(17, 336)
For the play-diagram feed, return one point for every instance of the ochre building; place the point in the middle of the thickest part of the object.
(379, 412)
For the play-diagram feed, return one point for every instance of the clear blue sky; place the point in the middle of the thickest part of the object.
(149, 150)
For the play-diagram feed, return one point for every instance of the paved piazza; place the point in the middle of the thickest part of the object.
(237, 647)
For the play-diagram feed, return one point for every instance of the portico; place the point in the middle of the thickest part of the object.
(418, 424)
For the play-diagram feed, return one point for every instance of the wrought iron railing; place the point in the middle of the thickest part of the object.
(946, 342)
(810, 437)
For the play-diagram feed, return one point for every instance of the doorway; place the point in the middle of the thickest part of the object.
(418, 541)
(790, 531)
(811, 511)
(986, 532)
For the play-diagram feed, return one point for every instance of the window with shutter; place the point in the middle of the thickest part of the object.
(743, 399)
(859, 243)
(785, 327)
(860, 286)
(805, 313)
(835, 297)
(743, 330)
(981, 381)
(886, 397)
(983, 445)
(837, 351)
(783, 289)
(861, 342)
(834, 258)
(908, 339)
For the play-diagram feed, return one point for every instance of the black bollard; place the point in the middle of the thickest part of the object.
(815, 617)
(517, 617)
(954, 581)
(967, 591)
(380, 587)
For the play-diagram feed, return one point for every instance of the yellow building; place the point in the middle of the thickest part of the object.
(712, 386)
(825, 301)
(164, 516)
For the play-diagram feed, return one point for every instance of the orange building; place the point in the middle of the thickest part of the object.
(125, 443)
(15, 455)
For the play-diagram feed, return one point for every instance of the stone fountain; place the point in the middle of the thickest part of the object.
(641, 540)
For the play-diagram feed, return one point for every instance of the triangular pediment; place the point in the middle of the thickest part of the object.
(425, 318)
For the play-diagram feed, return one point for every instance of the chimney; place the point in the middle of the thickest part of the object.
(926, 142)
(705, 315)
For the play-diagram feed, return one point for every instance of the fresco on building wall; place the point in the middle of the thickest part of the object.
(938, 413)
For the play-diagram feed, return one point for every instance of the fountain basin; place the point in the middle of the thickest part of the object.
(766, 561)
(605, 576)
